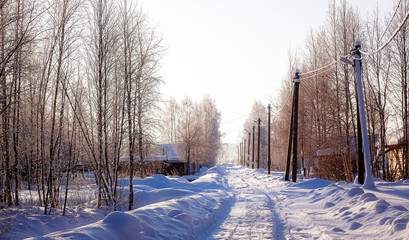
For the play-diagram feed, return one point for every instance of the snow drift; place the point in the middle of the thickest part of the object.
(230, 201)
(166, 208)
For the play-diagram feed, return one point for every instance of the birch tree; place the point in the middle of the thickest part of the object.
(399, 74)
(101, 53)
(17, 27)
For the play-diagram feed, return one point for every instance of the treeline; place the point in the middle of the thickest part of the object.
(328, 97)
(194, 128)
(79, 87)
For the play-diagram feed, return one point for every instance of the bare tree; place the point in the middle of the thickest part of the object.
(101, 54)
(378, 79)
(188, 129)
(195, 129)
(169, 121)
(129, 26)
(149, 53)
(210, 136)
(399, 74)
(41, 44)
(64, 16)
(17, 24)
(141, 52)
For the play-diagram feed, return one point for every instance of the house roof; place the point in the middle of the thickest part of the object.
(328, 152)
(165, 152)
(395, 137)
(337, 146)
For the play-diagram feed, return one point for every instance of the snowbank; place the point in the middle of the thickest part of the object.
(165, 208)
(235, 202)
(346, 211)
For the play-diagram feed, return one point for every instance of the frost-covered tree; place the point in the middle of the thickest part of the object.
(194, 128)
(210, 136)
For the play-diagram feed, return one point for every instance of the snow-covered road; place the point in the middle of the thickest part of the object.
(266, 207)
(253, 214)
(233, 202)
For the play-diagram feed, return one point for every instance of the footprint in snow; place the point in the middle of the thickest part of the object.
(381, 206)
(173, 213)
(346, 213)
(359, 215)
(384, 220)
(355, 225)
(337, 230)
(399, 208)
(355, 191)
(343, 209)
(368, 197)
(400, 224)
(329, 204)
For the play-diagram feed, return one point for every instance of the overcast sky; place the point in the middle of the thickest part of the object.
(235, 51)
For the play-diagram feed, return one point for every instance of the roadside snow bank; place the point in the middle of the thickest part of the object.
(312, 183)
(321, 209)
(166, 208)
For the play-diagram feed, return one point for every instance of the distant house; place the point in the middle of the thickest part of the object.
(330, 164)
(166, 161)
(394, 154)
(331, 160)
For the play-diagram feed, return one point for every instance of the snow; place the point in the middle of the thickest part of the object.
(231, 202)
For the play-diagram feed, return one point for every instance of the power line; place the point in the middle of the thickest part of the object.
(391, 38)
(285, 103)
(236, 130)
(320, 68)
(316, 71)
(321, 72)
(389, 23)
(327, 67)
(243, 116)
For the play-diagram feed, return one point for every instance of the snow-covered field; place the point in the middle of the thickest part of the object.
(233, 202)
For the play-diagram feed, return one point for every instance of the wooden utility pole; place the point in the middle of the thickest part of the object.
(258, 144)
(244, 153)
(248, 149)
(290, 142)
(238, 152)
(296, 88)
(252, 166)
(268, 140)
(368, 183)
(361, 161)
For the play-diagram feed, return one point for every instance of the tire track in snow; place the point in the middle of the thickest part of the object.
(253, 215)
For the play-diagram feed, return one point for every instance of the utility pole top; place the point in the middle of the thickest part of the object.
(357, 50)
(269, 106)
(258, 121)
(297, 76)
(358, 45)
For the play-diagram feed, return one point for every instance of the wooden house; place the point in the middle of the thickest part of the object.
(165, 161)
(394, 153)
(331, 160)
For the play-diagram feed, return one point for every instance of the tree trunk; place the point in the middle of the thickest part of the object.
(5, 118)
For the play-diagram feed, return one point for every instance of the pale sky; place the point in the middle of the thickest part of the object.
(235, 51)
